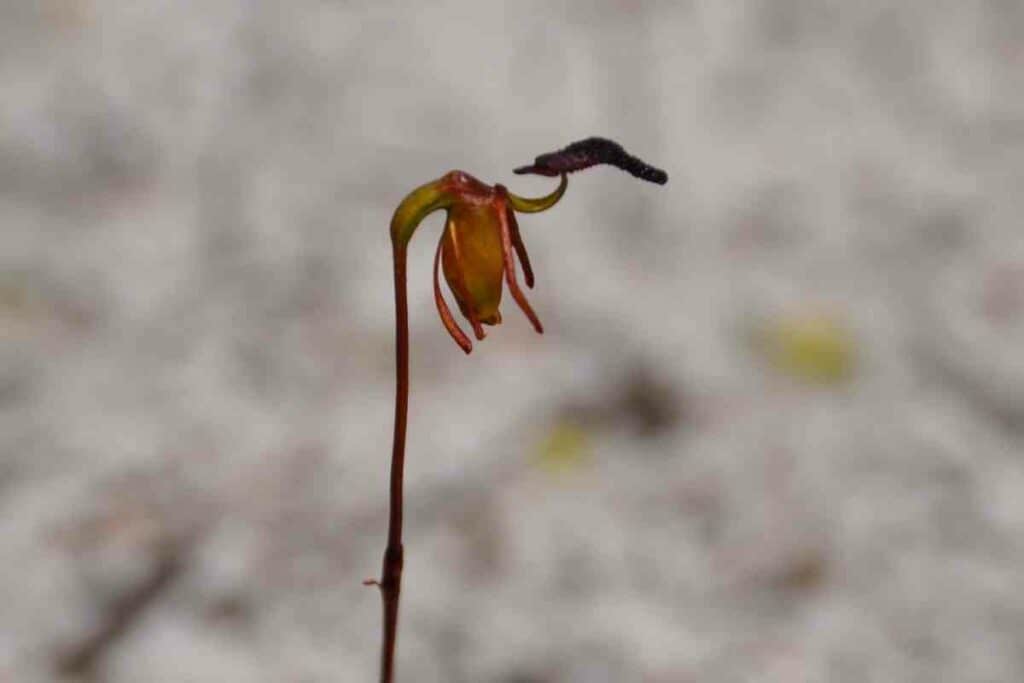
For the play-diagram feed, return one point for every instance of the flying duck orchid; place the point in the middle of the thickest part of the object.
(477, 253)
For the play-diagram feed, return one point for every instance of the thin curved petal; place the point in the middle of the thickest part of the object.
(510, 270)
(517, 242)
(446, 315)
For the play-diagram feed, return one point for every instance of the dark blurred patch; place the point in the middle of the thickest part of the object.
(150, 518)
(945, 228)
(230, 610)
(780, 569)
(642, 400)
(649, 402)
(82, 659)
(802, 571)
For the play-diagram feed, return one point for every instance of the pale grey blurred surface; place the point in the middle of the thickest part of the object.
(196, 341)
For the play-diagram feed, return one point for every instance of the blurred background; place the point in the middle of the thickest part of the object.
(774, 430)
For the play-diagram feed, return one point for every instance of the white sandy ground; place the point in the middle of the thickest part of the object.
(196, 341)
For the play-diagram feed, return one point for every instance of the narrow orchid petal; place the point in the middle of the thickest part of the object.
(510, 267)
(533, 205)
(446, 315)
(517, 242)
(458, 273)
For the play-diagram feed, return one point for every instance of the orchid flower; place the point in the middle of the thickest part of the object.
(478, 247)
(477, 252)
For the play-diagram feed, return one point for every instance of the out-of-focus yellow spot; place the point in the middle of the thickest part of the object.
(563, 450)
(813, 347)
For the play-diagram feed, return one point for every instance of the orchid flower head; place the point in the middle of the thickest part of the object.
(481, 240)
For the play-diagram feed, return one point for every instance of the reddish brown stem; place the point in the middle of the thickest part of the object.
(390, 582)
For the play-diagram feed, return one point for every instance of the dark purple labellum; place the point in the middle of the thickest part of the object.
(591, 152)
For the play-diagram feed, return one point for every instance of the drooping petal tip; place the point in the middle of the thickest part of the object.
(447, 319)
